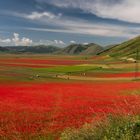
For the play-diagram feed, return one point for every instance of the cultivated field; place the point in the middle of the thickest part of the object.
(46, 97)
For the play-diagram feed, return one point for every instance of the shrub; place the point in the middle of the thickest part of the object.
(114, 128)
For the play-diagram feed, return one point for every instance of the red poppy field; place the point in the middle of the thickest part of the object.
(52, 107)
(43, 107)
(33, 62)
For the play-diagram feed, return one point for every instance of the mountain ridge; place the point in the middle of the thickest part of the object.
(73, 49)
(81, 49)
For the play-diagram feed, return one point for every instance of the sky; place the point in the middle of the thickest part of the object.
(63, 22)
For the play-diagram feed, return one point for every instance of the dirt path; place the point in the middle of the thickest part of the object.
(93, 78)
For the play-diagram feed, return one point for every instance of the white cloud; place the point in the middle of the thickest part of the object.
(81, 26)
(16, 39)
(125, 10)
(6, 41)
(26, 41)
(23, 41)
(72, 42)
(36, 15)
(94, 29)
(85, 43)
(59, 43)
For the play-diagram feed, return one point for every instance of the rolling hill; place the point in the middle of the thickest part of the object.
(80, 49)
(127, 49)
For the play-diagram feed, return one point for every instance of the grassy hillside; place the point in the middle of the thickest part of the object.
(127, 49)
(75, 49)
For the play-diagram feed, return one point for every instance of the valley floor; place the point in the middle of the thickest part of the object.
(42, 96)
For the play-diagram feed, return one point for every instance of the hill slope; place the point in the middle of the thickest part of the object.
(75, 49)
(127, 49)
(92, 49)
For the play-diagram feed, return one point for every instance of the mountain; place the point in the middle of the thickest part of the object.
(2, 49)
(32, 49)
(127, 49)
(14, 49)
(40, 49)
(92, 49)
(73, 49)
(80, 49)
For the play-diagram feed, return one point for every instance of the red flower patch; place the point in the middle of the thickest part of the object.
(43, 61)
(38, 108)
